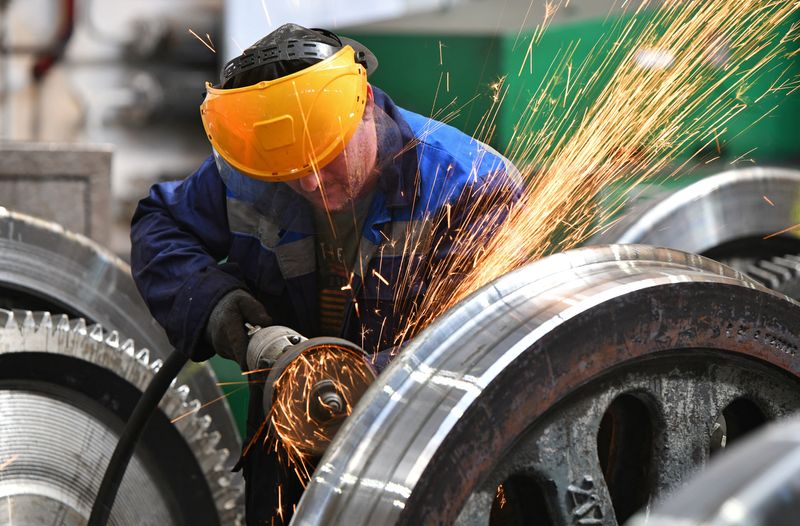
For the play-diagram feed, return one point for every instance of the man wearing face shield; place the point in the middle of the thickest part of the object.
(321, 209)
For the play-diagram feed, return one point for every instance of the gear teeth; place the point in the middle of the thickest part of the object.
(156, 366)
(183, 392)
(143, 357)
(10, 321)
(761, 275)
(789, 262)
(778, 269)
(193, 405)
(96, 332)
(189, 423)
(127, 347)
(29, 323)
(215, 460)
(105, 349)
(205, 422)
(63, 323)
(46, 323)
(213, 439)
(781, 274)
(80, 327)
(113, 340)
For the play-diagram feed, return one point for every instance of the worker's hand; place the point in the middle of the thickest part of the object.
(226, 329)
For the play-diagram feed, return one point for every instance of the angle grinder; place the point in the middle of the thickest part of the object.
(312, 385)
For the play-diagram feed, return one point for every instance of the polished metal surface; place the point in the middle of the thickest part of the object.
(45, 267)
(754, 484)
(742, 203)
(57, 453)
(432, 437)
(56, 439)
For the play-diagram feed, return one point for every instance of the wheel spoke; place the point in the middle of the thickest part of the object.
(690, 409)
(541, 482)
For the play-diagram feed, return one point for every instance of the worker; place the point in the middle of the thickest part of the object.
(319, 192)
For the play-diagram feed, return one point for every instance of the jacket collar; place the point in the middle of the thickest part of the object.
(397, 159)
(397, 155)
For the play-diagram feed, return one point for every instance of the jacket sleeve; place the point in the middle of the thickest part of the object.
(471, 212)
(475, 215)
(179, 233)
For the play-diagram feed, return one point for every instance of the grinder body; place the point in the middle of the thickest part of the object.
(311, 385)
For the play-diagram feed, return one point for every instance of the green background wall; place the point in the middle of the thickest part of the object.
(410, 71)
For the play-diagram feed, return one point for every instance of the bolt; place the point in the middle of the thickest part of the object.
(326, 402)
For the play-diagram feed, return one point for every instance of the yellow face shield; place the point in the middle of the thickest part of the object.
(288, 127)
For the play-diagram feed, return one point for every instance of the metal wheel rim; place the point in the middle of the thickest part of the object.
(454, 363)
(713, 211)
(576, 487)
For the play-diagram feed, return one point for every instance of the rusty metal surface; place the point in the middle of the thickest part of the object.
(472, 399)
(754, 484)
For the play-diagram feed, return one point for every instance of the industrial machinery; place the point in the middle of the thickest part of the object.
(570, 391)
(69, 382)
(311, 387)
(574, 391)
(742, 217)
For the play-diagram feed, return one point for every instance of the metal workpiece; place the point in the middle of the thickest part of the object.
(45, 267)
(526, 399)
(753, 484)
(721, 209)
(65, 391)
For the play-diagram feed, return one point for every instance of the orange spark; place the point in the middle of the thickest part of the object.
(206, 44)
(8, 462)
(293, 422)
(217, 399)
(378, 275)
(280, 503)
(789, 229)
(624, 132)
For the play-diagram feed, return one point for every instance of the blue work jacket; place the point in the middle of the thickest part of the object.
(195, 240)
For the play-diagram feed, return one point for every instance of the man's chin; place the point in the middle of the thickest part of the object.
(336, 204)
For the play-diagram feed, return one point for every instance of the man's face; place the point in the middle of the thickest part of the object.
(349, 176)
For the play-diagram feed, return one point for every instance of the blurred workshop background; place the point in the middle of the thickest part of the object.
(100, 99)
(111, 89)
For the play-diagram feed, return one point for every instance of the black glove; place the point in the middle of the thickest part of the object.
(226, 330)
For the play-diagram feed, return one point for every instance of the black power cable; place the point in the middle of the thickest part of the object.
(145, 407)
